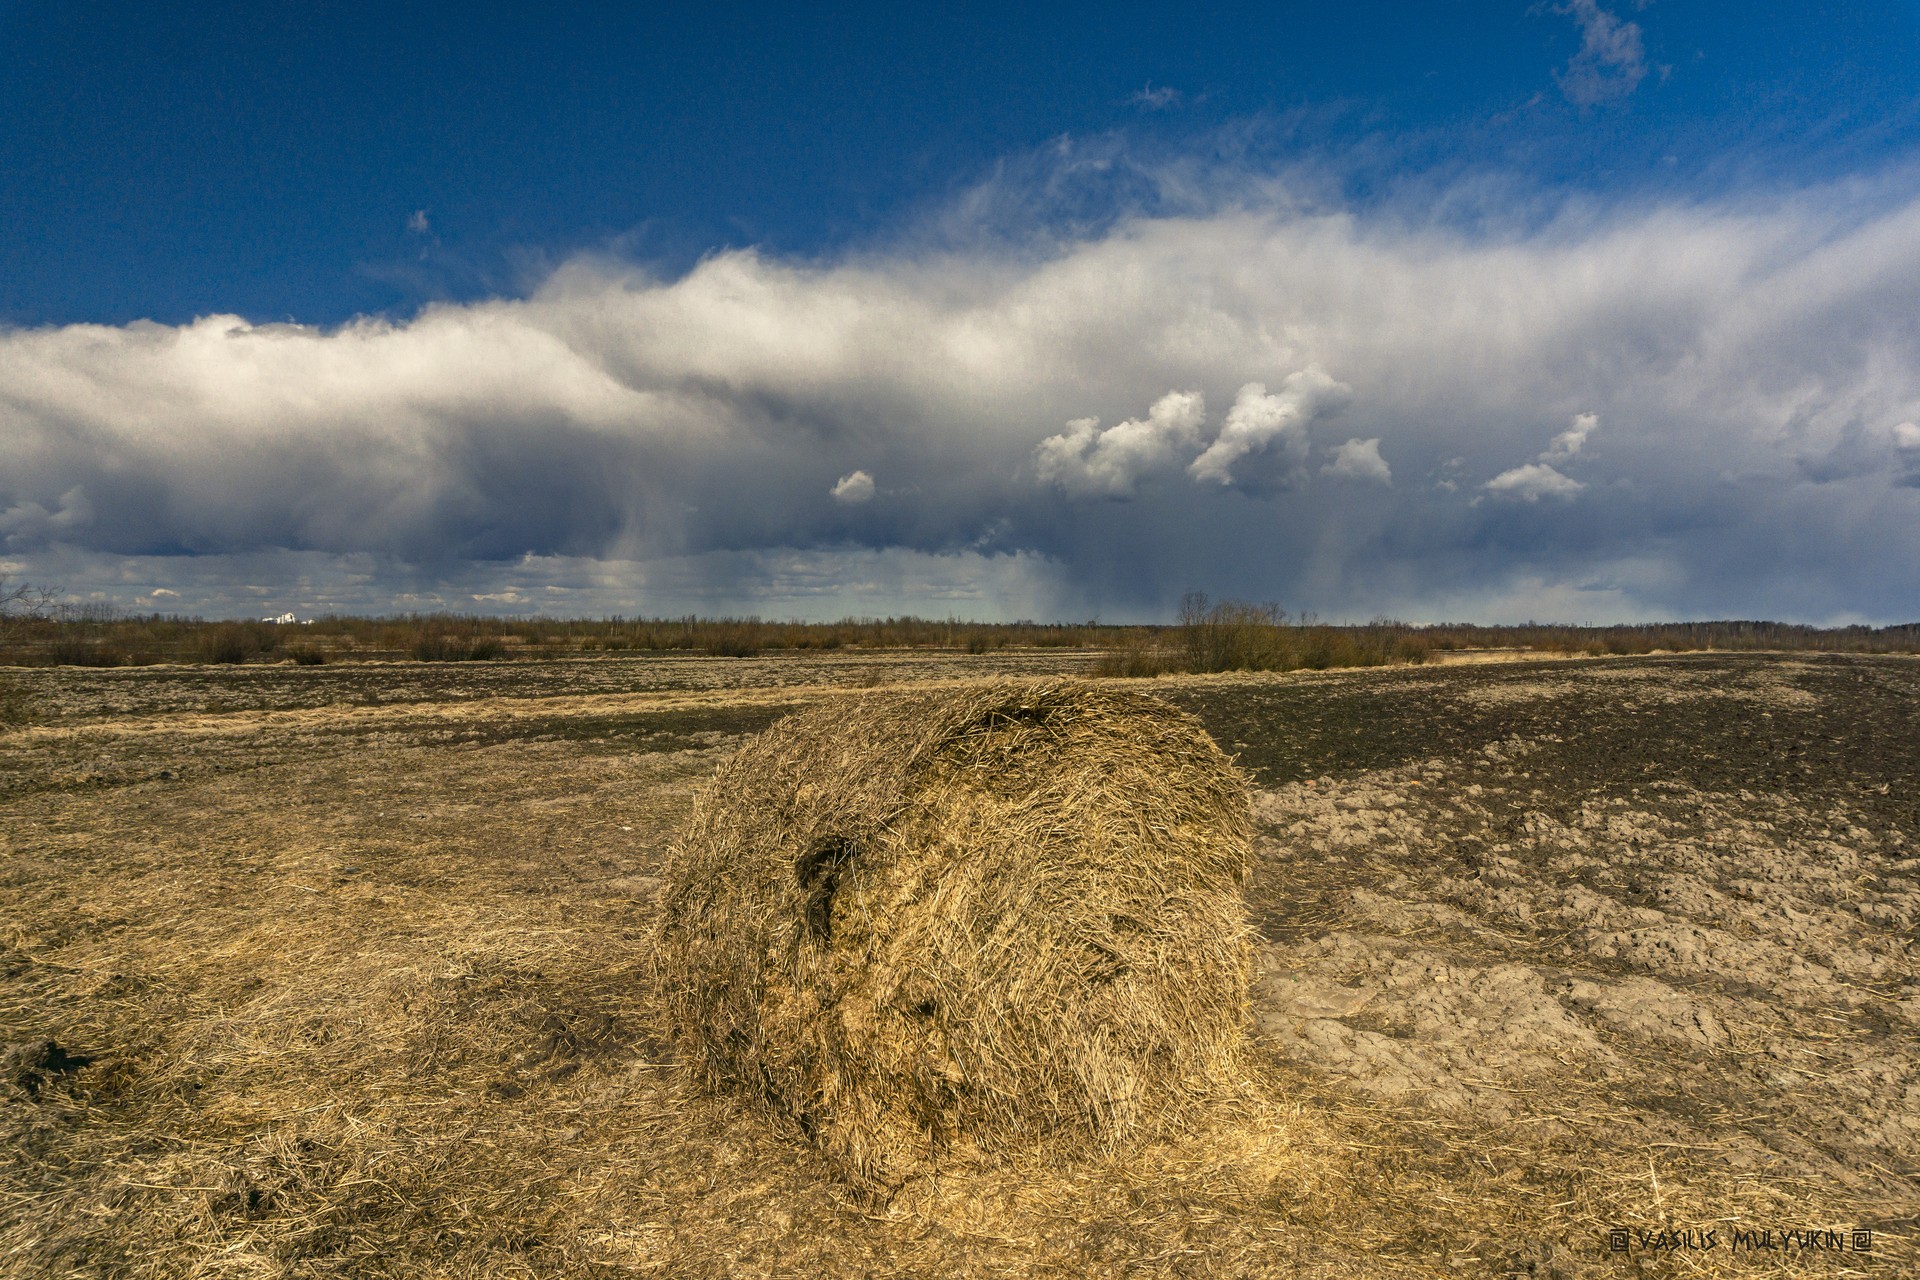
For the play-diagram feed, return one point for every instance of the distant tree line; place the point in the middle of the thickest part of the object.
(1235, 635)
(1228, 635)
(90, 637)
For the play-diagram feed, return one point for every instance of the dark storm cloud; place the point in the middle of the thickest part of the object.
(1672, 411)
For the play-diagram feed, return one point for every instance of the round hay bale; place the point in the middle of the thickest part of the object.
(969, 920)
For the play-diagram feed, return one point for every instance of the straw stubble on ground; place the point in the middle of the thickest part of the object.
(361, 984)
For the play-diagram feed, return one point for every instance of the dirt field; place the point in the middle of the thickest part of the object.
(345, 970)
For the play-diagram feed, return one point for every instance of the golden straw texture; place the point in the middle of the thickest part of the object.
(930, 925)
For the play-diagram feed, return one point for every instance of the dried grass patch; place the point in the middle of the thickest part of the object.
(384, 1008)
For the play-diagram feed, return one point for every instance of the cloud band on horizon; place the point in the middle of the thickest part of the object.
(1757, 370)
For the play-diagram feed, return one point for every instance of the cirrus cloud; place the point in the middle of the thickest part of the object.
(1612, 59)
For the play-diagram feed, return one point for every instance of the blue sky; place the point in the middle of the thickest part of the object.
(1586, 310)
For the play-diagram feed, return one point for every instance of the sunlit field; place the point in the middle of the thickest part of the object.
(1584, 967)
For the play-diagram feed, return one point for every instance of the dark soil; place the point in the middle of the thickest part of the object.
(1668, 905)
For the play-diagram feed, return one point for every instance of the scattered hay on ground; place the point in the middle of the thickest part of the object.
(375, 1000)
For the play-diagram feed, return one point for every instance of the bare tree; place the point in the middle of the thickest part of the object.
(22, 600)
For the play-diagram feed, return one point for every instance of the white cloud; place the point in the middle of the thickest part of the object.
(1756, 369)
(1359, 460)
(1532, 482)
(417, 222)
(1569, 442)
(1260, 421)
(1612, 58)
(1153, 99)
(1086, 461)
(853, 488)
(1540, 478)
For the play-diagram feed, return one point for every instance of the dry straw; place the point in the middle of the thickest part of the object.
(929, 925)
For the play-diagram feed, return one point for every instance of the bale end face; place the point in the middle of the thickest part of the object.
(983, 919)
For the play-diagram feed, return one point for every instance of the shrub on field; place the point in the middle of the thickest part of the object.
(76, 651)
(1412, 648)
(234, 642)
(1234, 635)
(439, 646)
(733, 646)
(1138, 661)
